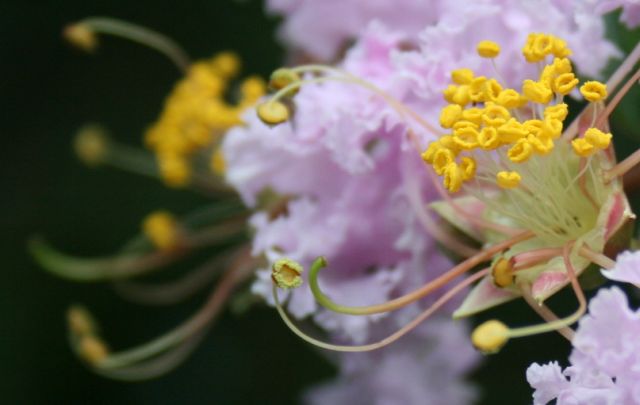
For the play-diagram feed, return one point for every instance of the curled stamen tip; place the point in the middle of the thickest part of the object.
(273, 112)
(91, 144)
(81, 36)
(502, 272)
(80, 321)
(490, 336)
(286, 273)
(92, 349)
(281, 78)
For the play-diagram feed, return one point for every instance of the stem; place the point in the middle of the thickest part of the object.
(141, 35)
(389, 339)
(425, 290)
(533, 257)
(622, 167)
(617, 98)
(544, 311)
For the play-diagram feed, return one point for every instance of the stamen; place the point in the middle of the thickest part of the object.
(111, 26)
(422, 292)
(389, 339)
(597, 258)
(544, 311)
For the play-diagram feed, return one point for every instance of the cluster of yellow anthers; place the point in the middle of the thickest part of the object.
(485, 116)
(196, 113)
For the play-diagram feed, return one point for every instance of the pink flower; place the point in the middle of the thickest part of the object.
(627, 268)
(605, 362)
(630, 10)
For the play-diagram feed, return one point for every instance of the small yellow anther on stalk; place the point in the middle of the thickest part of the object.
(174, 169)
(564, 83)
(162, 230)
(558, 111)
(272, 112)
(508, 180)
(453, 176)
(226, 64)
(520, 152)
(594, 91)
(490, 336)
(468, 167)
(598, 138)
(450, 115)
(92, 349)
(582, 147)
(502, 272)
(80, 321)
(287, 273)
(91, 144)
(462, 76)
(537, 92)
(81, 36)
(488, 49)
(283, 77)
(509, 98)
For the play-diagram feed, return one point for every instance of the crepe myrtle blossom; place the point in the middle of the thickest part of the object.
(630, 14)
(626, 269)
(183, 152)
(543, 198)
(605, 361)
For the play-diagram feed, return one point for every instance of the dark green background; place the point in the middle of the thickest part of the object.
(47, 90)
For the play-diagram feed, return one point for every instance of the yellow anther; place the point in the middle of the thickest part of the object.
(509, 98)
(543, 45)
(502, 272)
(511, 131)
(598, 138)
(80, 321)
(462, 76)
(251, 89)
(218, 164)
(488, 138)
(430, 152)
(476, 89)
(161, 229)
(281, 78)
(441, 160)
(558, 111)
(91, 144)
(520, 152)
(466, 138)
(226, 64)
(527, 50)
(457, 94)
(449, 115)
(495, 115)
(465, 124)
(453, 177)
(541, 144)
(473, 114)
(582, 147)
(561, 66)
(174, 170)
(488, 49)
(508, 179)
(448, 142)
(92, 349)
(548, 75)
(287, 273)
(564, 83)
(560, 49)
(537, 92)
(81, 36)
(552, 127)
(272, 112)
(468, 168)
(490, 336)
(594, 91)
(491, 90)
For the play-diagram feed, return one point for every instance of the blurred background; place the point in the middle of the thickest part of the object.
(47, 91)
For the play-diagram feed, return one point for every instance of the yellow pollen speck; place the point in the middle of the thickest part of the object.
(449, 115)
(502, 272)
(91, 144)
(161, 229)
(490, 336)
(598, 138)
(92, 349)
(453, 177)
(508, 179)
(81, 36)
(286, 273)
(80, 321)
(462, 76)
(594, 91)
(488, 49)
(582, 147)
(273, 112)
